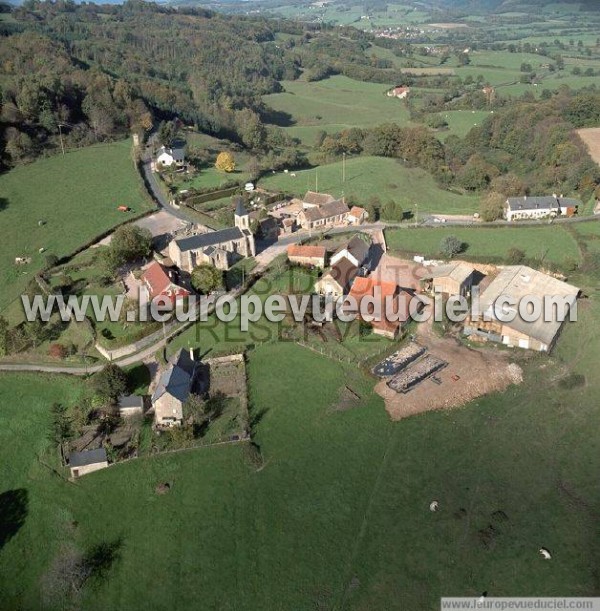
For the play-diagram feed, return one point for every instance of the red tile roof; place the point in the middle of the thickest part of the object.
(297, 250)
(158, 282)
(365, 287)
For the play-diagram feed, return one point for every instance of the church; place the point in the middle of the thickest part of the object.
(222, 248)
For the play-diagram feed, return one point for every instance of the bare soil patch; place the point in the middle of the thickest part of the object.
(591, 138)
(470, 373)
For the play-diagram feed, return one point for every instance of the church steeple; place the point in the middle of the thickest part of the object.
(242, 219)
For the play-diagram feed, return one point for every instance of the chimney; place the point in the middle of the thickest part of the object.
(192, 354)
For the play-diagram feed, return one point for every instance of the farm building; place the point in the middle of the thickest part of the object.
(518, 283)
(312, 199)
(130, 405)
(88, 461)
(356, 251)
(173, 389)
(357, 215)
(519, 208)
(451, 279)
(313, 256)
(158, 281)
(406, 274)
(385, 301)
(337, 281)
(218, 248)
(316, 216)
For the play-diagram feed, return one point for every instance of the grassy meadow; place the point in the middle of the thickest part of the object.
(333, 104)
(554, 244)
(77, 198)
(384, 177)
(338, 516)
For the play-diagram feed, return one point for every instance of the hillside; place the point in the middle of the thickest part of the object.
(76, 198)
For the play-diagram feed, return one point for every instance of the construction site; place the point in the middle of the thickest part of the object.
(439, 372)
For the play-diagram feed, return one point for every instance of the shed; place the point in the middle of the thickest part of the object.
(130, 405)
(88, 461)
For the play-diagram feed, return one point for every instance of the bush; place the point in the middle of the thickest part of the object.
(58, 351)
(450, 246)
(206, 278)
(572, 381)
(515, 256)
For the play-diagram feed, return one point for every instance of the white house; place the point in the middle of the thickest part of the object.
(167, 157)
(356, 251)
(517, 208)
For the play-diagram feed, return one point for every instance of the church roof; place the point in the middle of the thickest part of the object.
(239, 207)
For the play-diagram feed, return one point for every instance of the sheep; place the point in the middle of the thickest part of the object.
(546, 555)
(433, 506)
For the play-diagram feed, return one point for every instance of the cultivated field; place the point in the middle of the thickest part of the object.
(386, 178)
(76, 196)
(591, 138)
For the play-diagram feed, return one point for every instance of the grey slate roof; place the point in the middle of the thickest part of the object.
(542, 202)
(239, 207)
(131, 401)
(87, 457)
(177, 379)
(178, 153)
(211, 238)
(357, 247)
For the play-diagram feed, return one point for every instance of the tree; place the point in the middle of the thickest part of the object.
(225, 162)
(110, 382)
(60, 424)
(450, 246)
(167, 133)
(392, 211)
(373, 208)
(491, 206)
(128, 243)
(206, 278)
(34, 331)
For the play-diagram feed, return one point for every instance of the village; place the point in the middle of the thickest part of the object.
(421, 370)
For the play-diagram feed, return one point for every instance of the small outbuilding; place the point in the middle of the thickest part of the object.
(451, 279)
(88, 461)
(130, 405)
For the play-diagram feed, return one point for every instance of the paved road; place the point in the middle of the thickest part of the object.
(154, 188)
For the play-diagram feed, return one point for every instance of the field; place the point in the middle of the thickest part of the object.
(76, 196)
(554, 244)
(338, 516)
(332, 105)
(460, 122)
(384, 177)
